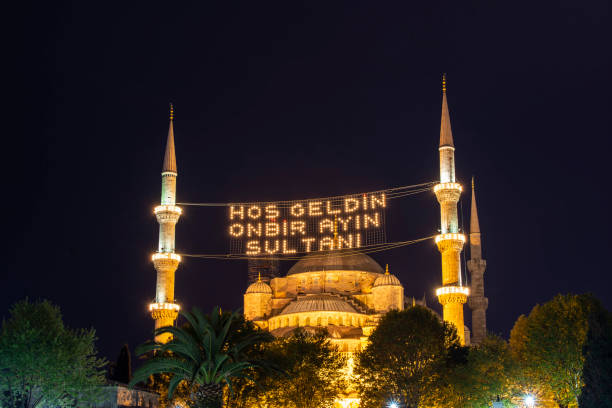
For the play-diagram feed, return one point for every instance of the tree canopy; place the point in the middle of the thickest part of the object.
(42, 362)
(597, 353)
(310, 374)
(206, 354)
(548, 348)
(405, 358)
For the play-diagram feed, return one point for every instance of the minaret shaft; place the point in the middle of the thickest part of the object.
(478, 303)
(452, 295)
(165, 311)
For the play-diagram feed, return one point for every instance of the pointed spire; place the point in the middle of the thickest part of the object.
(170, 156)
(475, 243)
(446, 135)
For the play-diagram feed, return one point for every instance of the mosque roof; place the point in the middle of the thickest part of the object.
(387, 280)
(315, 303)
(335, 261)
(259, 287)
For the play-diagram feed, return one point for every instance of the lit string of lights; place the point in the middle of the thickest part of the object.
(391, 193)
(374, 240)
(317, 254)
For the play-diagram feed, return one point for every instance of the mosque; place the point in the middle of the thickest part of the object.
(344, 294)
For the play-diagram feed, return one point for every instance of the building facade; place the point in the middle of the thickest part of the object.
(344, 292)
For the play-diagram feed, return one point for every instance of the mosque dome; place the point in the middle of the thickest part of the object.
(336, 261)
(387, 280)
(318, 303)
(259, 287)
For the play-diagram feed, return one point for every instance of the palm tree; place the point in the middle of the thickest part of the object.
(208, 352)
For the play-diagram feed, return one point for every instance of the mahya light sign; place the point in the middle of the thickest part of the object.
(285, 228)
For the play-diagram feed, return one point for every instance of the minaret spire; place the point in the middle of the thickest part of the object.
(477, 302)
(475, 246)
(446, 134)
(452, 295)
(170, 155)
(165, 310)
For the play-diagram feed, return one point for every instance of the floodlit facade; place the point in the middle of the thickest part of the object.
(342, 291)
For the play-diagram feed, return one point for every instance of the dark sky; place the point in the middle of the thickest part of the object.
(289, 100)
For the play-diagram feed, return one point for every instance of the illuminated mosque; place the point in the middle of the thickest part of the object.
(344, 294)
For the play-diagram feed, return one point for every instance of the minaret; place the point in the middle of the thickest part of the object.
(164, 310)
(476, 265)
(452, 295)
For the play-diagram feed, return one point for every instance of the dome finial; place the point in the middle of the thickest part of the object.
(258, 276)
(386, 269)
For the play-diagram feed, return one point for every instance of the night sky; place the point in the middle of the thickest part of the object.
(294, 100)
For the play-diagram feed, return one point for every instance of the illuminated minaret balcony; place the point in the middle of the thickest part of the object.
(164, 311)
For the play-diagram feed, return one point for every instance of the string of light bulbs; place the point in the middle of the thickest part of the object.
(390, 193)
(369, 249)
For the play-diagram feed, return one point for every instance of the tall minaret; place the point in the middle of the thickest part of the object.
(452, 295)
(164, 310)
(476, 265)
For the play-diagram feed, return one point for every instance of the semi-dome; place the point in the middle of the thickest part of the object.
(316, 303)
(387, 280)
(336, 261)
(259, 287)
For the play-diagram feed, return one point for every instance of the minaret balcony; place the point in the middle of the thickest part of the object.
(478, 302)
(452, 294)
(166, 261)
(167, 213)
(446, 192)
(164, 310)
(166, 256)
(448, 186)
(453, 241)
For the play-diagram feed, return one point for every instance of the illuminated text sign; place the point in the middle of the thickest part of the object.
(285, 228)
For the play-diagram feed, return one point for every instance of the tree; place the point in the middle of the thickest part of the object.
(121, 370)
(547, 346)
(480, 378)
(312, 373)
(42, 362)
(406, 358)
(597, 353)
(207, 353)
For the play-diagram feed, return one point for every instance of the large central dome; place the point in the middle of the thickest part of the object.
(335, 261)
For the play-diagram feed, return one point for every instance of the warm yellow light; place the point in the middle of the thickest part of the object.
(447, 186)
(164, 306)
(446, 290)
(166, 255)
(168, 208)
(348, 402)
(453, 236)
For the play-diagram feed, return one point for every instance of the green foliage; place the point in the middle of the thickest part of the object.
(482, 377)
(207, 353)
(44, 363)
(311, 374)
(406, 359)
(547, 346)
(597, 353)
